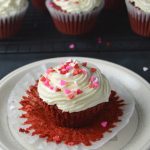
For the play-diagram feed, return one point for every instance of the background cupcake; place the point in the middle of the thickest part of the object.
(74, 17)
(114, 4)
(11, 16)
(139, 16)
(74, 93)
(39, 4)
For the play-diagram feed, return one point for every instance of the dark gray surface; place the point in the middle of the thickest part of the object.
(132, 60)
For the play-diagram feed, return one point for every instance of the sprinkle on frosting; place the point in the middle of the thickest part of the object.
(82, 83)
(12, 7)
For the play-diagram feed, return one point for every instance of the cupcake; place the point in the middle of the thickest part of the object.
(113, 4)
(139, 16)
(39, 4)
(11, 16)
(74, 93)
(74, 17)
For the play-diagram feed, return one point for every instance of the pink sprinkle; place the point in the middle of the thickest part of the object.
(99, 40)
(79, 91)
(49, 70)
(63, 82)
(72, 46)
(69, 68)
(51, 87)
(96, 84)
(104, 124)
(46, 83)
(92, 78)
(67, 91)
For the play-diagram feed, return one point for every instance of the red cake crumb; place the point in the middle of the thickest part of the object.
(42, 122)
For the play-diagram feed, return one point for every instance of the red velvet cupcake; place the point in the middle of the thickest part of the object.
(74, 93)
(74, 17)
(139, 16)
(39, 4)
(11, 17)
(114, 4)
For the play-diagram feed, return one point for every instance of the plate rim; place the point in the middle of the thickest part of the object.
(36, 63)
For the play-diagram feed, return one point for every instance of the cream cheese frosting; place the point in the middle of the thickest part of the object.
(11, 7)
(142, 4)
(77, 6)
(74, 86)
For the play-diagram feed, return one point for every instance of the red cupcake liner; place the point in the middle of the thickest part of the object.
(73, 24)
(75, 119)
(39, 4)
(114, 4)
(139, 20)
(139, 26)
(9, 26)
(75, 27)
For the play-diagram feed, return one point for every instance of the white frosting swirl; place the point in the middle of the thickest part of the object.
(89, 97)
(11, 7)
(77, 6)
(142, 4)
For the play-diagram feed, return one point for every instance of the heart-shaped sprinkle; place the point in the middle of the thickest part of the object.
(79, 91)
(84, 64)
(63, 82)
(104, 124)
(68, 68)
(58, 89)
(93, 70)
(67, 91)
(46, 82)
(43, 79)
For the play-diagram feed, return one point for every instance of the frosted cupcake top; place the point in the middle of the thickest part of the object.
(11, 7)
(77, 6)
(142, 4)
(74, 86)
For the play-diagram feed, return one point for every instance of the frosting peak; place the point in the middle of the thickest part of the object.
(77, 6)
(74, 86)
(142, 4)
(11, 7)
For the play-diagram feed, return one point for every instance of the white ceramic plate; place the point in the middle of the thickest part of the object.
(126, 139)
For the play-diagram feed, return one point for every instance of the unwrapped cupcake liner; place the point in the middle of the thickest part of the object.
(73, 23)
(114, 4)
(10, 25)
(139, 20)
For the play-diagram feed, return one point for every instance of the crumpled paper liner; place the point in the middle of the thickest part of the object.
(139, 20)
(34, 142)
